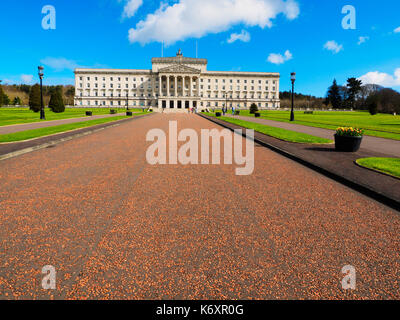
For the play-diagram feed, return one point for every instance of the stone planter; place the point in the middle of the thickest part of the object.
(347, 143)
(89, 113)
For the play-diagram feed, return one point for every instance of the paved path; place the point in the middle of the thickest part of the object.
(386, 146)
(117, 227)
(52, 123)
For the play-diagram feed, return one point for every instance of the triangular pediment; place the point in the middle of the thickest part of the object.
(178, 68)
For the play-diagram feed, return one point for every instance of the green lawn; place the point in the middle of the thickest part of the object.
(278, 133)
(36, 133)
(10, 116)
(387, 165)
(380, 125)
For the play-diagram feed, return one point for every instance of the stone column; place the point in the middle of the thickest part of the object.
(167, 86)
(176, 86)
(183, 86)
(198, 86)
(190, 85)
(159, 85)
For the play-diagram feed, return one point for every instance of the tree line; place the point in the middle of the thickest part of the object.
(353, 95)
(20, 94)
(370, 97)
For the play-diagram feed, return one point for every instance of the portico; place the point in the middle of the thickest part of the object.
(178, 88)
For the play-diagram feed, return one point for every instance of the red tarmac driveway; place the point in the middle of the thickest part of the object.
(116, 227)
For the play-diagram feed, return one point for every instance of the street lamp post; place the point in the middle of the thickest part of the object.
(293, 78)
(127, 101)
(42, 114)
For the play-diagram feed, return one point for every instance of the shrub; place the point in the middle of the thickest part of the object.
(89, 113)
(218, 114)
(129, 113)
(253, 108)
(372, 103)
(56, 103)
(113, 111)
(257, 114)
(34, 98)
(349, 132)
(2, 95)
(237, 112)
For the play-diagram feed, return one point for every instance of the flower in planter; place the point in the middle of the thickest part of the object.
(349, 132)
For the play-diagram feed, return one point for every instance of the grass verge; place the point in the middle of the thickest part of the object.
(389, 166)
(381, 125)
(282, 134)
(36, 133)
(11, 116)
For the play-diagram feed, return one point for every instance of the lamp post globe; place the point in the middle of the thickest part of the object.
(40, 73)
(293, 79)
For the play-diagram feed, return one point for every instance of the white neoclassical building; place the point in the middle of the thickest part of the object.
(175, 84)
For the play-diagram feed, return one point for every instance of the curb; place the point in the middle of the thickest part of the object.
(86, 132)
(388, 201)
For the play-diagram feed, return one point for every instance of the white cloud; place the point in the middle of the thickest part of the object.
(277, 58)
(27, 78)
(59, 64)
(381, 78)
(397, 30)
(131, 7)
(194, 18)
(333, 46)
(362, 40)
(243, 36)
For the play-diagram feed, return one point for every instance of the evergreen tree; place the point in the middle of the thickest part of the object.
(334, 97)
(353, 89)
(34, 98)
(17, 101)
(253, 108)
(56, 103)
(372, 102)
(6, 100)
(1, 97)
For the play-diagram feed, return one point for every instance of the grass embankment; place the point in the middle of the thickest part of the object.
(11, 116)
(380, 125)
(282, 134)
(36, 133)
(389, 166)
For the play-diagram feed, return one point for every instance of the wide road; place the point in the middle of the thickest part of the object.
(116, 227)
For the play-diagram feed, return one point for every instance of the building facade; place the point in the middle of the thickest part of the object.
(175, 84)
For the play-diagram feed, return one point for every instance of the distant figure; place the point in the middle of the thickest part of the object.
(233, 111)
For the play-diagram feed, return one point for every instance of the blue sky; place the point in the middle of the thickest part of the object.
(305, 36)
